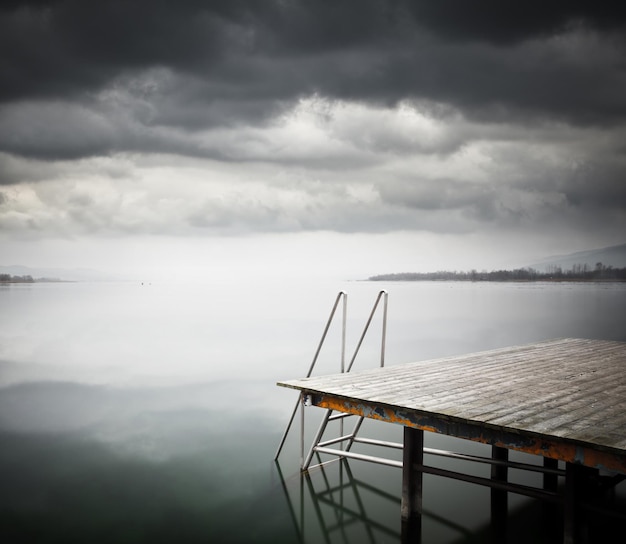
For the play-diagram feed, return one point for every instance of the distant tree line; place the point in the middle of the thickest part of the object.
(8, 278)
(553, 273)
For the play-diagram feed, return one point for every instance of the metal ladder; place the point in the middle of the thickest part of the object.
(499, 457)
(319, 446)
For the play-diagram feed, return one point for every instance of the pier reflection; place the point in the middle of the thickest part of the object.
(331, 504)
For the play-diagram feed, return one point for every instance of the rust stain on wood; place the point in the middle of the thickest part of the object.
(564, 399)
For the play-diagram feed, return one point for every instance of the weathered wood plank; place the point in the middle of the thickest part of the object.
(563, 391)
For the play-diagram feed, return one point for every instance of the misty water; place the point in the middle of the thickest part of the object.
(135, 412)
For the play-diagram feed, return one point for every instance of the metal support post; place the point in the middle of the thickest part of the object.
(499, 497)
(574, 523)
(412, 476)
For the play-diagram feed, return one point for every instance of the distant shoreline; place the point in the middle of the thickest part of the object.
(581, 273)
(385, 277)
(8, 279)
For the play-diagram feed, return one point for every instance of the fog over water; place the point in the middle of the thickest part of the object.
(146, 412)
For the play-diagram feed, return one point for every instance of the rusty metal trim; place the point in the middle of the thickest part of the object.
(545, 446)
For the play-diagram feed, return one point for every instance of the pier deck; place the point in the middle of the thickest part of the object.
(563, 399)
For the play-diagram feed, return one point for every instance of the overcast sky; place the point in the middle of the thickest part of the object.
(336, 137)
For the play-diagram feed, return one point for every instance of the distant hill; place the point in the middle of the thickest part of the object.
(614, 256)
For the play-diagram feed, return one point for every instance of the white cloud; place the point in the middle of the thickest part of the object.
(326, 166)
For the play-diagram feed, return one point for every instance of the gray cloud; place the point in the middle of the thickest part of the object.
(239, 116)
(478, 199)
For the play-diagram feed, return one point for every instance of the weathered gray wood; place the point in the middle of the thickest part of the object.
(568, 392)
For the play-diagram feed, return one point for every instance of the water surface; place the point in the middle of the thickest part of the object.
(137, 412)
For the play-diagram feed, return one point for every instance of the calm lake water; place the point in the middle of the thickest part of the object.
(137, 412)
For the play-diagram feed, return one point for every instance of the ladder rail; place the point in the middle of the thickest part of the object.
(382, 295)
(341, 295)
(306, 460)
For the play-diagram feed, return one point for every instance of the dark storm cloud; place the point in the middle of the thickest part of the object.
(511, 22)
(247, 58)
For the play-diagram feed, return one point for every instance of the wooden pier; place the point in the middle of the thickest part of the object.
(564, 400)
